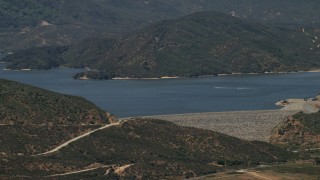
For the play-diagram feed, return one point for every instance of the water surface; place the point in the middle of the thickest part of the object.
(126, 98)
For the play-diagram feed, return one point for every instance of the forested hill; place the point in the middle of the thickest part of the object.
(26, 105)
(34, 23)
(133, 14)
(207, 43)
(33, 120)
(147, 147)
(45, 133)
(204, 43)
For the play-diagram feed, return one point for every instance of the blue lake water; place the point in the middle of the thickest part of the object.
(126, 98)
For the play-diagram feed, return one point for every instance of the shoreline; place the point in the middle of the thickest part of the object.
(163, 77)
(218, 75)
(170, 77)
(314, 70)
(307, 105)
(247, 125)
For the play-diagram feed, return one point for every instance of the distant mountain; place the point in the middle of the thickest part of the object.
(37, 57)
(147, 148)
(35, 23)
(205, 43)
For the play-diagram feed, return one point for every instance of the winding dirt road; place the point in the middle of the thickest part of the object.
(75, 139)
(118, 170)
(80, 171)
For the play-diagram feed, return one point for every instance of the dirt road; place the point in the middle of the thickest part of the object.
(75, 139)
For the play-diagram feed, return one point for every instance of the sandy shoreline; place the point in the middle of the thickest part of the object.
(314, 70)
(203, 76)
(308, 105)
(248, 125)
(163, 77)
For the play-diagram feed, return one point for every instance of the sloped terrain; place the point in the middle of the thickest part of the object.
(45, 134)
(38, 58)
(204, 43)
(33, 120)
(150, 148)
(35, 23)
(27, 105)
(299, 131)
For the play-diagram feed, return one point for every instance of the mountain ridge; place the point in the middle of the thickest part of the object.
(203, 43)
(67, 21)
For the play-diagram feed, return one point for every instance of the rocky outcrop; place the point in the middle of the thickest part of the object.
(295, 133)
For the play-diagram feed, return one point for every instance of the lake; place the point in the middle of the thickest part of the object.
(126, 98)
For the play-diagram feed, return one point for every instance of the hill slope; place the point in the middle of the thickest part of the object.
(27, 105)
(37, 58)
(150, 148)
(33, 120)
(299, 131)
(203, 43)
(34, 23)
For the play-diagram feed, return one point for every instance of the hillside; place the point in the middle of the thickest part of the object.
(299, 131)
(204, 43)
(37, 23)
(147, 148)
(34, 23)
(128, 14)
(37, 58)
(34, 120)
(26, 105)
